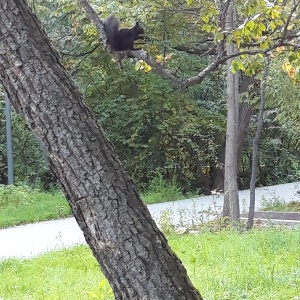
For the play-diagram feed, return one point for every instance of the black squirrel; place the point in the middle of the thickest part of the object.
(121, 39)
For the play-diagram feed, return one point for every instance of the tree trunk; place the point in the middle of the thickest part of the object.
(231, 206)
(256, 143)
(245, 114)
(132, 252)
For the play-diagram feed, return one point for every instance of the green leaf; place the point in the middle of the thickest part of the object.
(229, 38)
(262, 27)
(240, 65)
(273, 25)
(250, 25)
(264, 46)
(206, 27)
(205, 19)
(234, 66)
(219, 36)
(138, 65)
(189, 2)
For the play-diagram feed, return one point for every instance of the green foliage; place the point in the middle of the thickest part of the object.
(29, 163)
(285, 95)
(274, 203)
(160, 191)
(156, 128)
(224, 265)
(278, 160)
(22, 204)
(278, 204)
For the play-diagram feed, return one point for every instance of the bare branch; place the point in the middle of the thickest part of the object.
(79, 54)
(214, 65)
(289, 19)
(201, 52)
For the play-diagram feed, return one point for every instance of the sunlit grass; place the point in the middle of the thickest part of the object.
(258, 265)
(161, 191)
(22, 204)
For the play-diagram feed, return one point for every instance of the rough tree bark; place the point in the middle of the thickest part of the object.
(132, 252)
(231, 207)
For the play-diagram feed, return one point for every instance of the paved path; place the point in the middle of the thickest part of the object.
(278, 216)
(34, 239)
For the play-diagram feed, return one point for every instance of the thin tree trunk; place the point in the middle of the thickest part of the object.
(231, 206)
(132, 252)
(256, 143)
(245, 114)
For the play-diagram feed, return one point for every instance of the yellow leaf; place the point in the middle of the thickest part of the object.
(189, 2)
(280, 49)
(147, 68)
(102, 283)
(286, 67)
(292, 73)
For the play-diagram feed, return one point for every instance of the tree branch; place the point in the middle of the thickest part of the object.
(201, 52)
(160, 69)
(79, 54)
(285, 28)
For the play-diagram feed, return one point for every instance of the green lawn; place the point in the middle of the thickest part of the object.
(22, 204)
(258, 265)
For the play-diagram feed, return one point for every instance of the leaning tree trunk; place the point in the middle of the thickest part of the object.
(132, 252)
(231, 197)
(256, 143)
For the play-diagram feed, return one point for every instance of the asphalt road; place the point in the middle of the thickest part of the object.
(33, 239)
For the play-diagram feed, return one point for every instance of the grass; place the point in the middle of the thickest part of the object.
(278, 204)
(258, 265)
(160, 191)
(22, 204)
